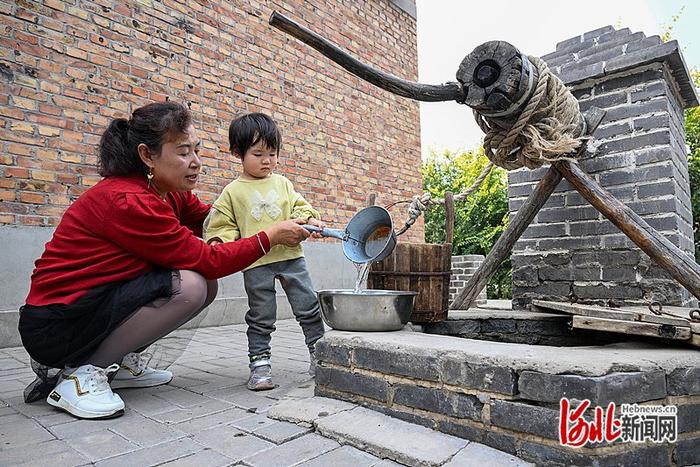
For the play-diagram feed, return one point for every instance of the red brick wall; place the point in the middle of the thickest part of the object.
(68, 67)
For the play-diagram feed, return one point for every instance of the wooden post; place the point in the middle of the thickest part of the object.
(449, 217)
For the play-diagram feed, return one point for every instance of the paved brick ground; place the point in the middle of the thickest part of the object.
(205, 416)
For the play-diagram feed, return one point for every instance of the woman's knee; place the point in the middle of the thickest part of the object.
(193, 290)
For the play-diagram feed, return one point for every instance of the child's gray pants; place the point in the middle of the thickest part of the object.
(260, 286)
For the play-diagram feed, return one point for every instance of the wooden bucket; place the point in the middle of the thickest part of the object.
(420, 267)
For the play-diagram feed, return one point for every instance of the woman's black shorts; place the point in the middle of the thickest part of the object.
(66, 335)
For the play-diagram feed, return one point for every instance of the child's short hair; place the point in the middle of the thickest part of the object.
(246, 130)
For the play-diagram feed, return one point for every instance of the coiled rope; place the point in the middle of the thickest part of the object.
(549, 127)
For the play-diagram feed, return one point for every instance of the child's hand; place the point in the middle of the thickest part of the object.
(316, 223)
(215, 242)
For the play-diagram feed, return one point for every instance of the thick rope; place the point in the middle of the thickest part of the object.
(549, 127)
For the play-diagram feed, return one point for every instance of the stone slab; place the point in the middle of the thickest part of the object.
(308, 410)
(478, 455)
(387, 437)
(293, 452)
(586, 361)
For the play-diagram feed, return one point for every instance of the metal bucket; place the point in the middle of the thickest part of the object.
(368, 237)
(369, 310)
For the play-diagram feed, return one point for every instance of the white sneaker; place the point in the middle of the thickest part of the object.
(134, 372)
(85, 393)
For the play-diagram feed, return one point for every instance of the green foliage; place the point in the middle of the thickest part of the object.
(692, 139)
(667, 35)
(480, 219)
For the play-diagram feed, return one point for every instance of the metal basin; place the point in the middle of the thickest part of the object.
(369, 310)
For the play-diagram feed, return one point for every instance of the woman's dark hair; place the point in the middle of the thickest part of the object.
(152, 125)
(247, 130)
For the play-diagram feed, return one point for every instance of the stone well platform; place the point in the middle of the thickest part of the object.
(506, 395)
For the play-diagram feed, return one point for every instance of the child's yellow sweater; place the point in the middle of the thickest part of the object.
(246, 207)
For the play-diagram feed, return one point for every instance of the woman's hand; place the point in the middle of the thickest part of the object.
(316, 223)
(289, 233)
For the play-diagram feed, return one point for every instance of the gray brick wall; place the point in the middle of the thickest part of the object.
(463, 268)
(571, 251)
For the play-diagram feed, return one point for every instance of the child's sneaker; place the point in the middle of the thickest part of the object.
(85, 393)
(260, 378)
(134, 372)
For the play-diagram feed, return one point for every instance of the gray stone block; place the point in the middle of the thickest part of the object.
(454, 327)
(605, 290)
(543, 455)
(650, 91)
(327, 352)
(627, 274)
(666, 223)
(439, 401)
(573, 73)
(570, 214)
(483, 377)
(687, 452)
(596, 33)
(498, 326)
(658, 138)
(684, 381)
(583, 229)
(643, 173)
(385, 360)
(354, 383)
(602, 54)
(525, 418)
(688, 418)
(556, 273)
(549, 327)
(642, 56)
(612, 130)
(600, 390)
(563, 45)
(605, 101)
(635, 110)
(652, 155)
(461, 430)
(654, 190)
(655, 455)
(501, 441)
(605, 162)
(404, 413)
(545, 231)
(569, 243)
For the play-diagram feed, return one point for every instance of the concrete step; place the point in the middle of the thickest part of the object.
(388, 437)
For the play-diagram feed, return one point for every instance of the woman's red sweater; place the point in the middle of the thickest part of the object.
(120, 229)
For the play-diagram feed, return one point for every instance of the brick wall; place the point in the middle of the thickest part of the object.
(463, 268)
(68, 67)
(571, 252)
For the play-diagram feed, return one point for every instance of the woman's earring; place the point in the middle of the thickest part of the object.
(149, 176)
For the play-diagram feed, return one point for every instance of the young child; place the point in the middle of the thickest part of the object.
(252, 202)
